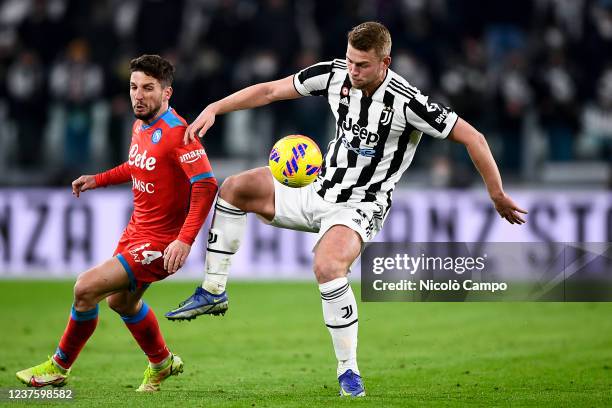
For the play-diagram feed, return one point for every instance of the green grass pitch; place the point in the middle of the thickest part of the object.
(273, 350)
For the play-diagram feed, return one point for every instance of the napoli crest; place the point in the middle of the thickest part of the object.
(156, 137)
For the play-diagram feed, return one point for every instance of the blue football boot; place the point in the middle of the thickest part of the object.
(200, 303)
(351, 385)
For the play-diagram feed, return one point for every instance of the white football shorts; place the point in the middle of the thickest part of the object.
(302, 209)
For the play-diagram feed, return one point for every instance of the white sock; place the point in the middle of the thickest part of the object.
(340, 315)
(224, 238)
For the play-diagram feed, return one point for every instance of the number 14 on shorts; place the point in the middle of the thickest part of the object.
(144, 256)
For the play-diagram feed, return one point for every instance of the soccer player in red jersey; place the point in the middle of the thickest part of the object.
(173, 188)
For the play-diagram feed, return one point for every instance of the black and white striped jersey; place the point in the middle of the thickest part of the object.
(376, 137)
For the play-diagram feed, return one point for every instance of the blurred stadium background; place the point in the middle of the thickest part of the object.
(534, 76)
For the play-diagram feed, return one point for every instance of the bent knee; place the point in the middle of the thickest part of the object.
(120, 306)
(229, 185)
(329, 270)
(115, 304)
(232, 189)
(85, 295)
(248, 191)
(239, 185)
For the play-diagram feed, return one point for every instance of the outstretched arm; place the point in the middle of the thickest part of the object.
(117, 175)
(250, 97)
(482, 158)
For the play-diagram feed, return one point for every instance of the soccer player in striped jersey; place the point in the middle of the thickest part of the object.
(380, 119)
(173, 188)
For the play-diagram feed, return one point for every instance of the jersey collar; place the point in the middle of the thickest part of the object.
(145, 127)
(383, 84)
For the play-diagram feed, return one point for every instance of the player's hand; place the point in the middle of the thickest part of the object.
(508, 209)
(175, 255)
(200, 126)
(83, 183)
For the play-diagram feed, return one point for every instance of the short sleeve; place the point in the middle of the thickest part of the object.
(193, 160)
(313, 80)
(429, 117)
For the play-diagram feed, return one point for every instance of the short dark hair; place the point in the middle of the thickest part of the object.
(371, 35)
(155, 66)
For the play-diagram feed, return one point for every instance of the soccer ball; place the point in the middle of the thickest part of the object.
(295, 160)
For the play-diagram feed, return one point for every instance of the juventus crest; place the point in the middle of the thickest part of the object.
(387, 116)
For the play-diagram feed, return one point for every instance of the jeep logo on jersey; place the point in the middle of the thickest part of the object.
(366, 136)
(140, 159)
(192, 156)
(156, 137)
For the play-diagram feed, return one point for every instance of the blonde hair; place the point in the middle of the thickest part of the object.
(371, 35)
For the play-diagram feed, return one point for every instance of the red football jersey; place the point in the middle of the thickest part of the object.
(162, 170)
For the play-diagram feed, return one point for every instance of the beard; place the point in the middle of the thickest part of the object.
(147, 114)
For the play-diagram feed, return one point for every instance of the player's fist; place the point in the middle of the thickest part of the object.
(175, 255)
(508, 209)
(200, 126)
(83, 183)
